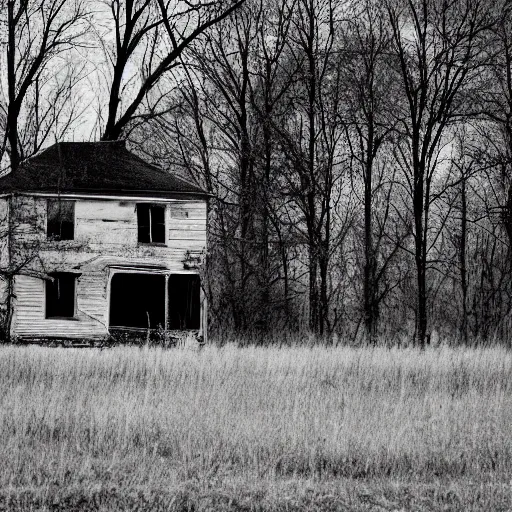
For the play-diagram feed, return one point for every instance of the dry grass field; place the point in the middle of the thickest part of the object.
(255, 429)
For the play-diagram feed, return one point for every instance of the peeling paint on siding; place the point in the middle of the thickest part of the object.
(105, 237)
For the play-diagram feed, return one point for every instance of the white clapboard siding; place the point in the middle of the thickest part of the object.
(4, 249)
(105, 237)
(29, 218)
(105, 211)
(178, 247)
(187, 225)
(180, 234)
(92, 296)
(188, 210)
(4, 207)
(106, 222)
(30, 318)
(115, 233)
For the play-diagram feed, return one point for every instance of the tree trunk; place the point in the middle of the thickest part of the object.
(264, 262)
(422, 304)
(324, 297)
(463, 269)
(245, 214)
(12, 108)
(369, 259)
(420, 256)
(311, 195)
(313, 290)
(10, 277)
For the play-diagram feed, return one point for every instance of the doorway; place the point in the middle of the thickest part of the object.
(137, 300)
(184, 301)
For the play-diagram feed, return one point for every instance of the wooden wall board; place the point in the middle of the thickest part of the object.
(105, 238)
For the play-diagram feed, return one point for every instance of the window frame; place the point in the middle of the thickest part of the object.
(58, 238)
(72, 275)
(150, 207)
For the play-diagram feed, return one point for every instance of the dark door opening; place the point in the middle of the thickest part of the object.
(136, 300)
(184, 301)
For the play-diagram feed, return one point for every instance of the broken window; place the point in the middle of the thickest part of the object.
(184, 301)
(151, 223)
(137, 300)
(60, 295)
(61, 219)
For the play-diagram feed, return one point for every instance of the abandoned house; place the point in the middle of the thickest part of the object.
(97, 240)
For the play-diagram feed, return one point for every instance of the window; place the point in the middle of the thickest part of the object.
(60, 295)
(184, 301)
(151, 223)
(61, 219)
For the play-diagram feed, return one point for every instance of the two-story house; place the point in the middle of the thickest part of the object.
(99, 240)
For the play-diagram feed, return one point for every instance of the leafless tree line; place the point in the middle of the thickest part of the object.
(358, 153)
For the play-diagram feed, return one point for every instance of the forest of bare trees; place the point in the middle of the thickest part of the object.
(358, 154)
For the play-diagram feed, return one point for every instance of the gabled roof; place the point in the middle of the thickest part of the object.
(94, 168)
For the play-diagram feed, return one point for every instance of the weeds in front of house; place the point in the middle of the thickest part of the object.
(146, 418)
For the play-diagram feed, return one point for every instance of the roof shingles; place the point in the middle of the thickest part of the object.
(94, 168)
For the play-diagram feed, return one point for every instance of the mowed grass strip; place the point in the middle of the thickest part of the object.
(129, 418)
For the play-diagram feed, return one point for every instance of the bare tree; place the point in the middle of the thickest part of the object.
(271, 81)
(369, 124)
(162, 33)
(311, 139)
(439, 47)
(492, 113)
(37, 31)
(21, 240)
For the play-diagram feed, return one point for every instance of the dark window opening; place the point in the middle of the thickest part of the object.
(184, 301)
(60, 295)
(151, 223)
(61, 219)
(137, 300)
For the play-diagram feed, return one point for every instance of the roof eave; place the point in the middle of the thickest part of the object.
(167, 194)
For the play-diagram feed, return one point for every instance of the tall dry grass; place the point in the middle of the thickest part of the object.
(150, 417)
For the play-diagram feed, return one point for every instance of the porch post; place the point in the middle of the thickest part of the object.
(203, 315)
(166, 312)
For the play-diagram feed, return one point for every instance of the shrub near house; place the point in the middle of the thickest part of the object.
(97, 242)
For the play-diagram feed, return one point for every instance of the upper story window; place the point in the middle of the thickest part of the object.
(60, 295)
(151, 223)
(61, 219)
